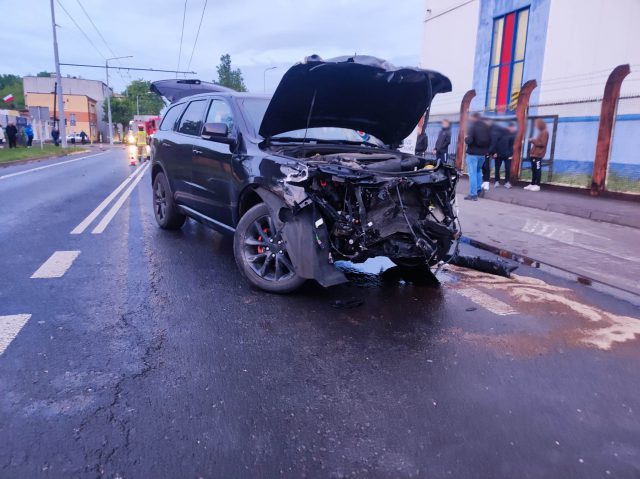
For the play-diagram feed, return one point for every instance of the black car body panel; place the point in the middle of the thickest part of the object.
(329, 200)
(360, 92)
(174, 90)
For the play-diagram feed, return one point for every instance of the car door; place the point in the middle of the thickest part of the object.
(167, 150)
(188, 131)
(212, 166)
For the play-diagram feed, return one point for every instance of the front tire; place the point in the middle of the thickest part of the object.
(261, 253)
(164, 207)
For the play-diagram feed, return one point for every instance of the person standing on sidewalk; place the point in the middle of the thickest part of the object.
(1, 137)
(538, 150)
(503, 152)
(443, 142)
(12, 135)
(478, 140)
(28, 130)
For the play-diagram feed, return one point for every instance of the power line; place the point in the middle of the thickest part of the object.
(100, 35)
(127, 68)
(81, 30)
(197, 34)
(184, 14)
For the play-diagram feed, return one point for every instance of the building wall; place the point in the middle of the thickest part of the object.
(80, 107)
(94, 89)
(449, 46)
(586, 39)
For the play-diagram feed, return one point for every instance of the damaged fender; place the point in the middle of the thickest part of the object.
(307, 240)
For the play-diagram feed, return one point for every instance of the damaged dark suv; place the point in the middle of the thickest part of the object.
(310, 176)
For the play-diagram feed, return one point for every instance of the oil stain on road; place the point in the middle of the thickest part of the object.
(556, 317)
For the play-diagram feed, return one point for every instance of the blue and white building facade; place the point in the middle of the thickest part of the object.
(568, 46)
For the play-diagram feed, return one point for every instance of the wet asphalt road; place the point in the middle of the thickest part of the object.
(151, 357)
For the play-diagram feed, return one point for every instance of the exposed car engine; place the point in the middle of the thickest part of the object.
(380, 204)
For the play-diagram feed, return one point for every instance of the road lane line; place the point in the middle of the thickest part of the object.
(487, 302)
(57, 265)
(94, 214)
(106, 219)
(10, 326)
(24, 172)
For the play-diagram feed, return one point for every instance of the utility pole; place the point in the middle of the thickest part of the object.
(61, 123)
(109, 95)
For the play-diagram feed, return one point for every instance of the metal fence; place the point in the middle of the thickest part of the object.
(623, 173)
(573, 135)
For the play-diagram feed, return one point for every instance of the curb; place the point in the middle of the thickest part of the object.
(620, 293)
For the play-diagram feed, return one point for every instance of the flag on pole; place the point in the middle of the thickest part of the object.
(8, 98)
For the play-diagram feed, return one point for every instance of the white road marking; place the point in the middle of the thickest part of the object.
(10, 326)
(94, 214)
(106, 219)
(24, 172)
(57, 264)
(487, 302)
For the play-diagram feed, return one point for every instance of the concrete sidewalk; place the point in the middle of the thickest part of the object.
(575, 203)
(592, 251)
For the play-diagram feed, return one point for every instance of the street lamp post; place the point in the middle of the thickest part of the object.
(264, 78)
(109, 96)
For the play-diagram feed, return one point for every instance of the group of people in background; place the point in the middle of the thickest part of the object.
(486, 141)
(10, 134)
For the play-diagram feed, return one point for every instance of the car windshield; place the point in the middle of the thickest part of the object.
(255, 109)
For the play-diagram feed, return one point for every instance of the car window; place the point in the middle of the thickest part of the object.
(220, 112)
(170, 118)
(191, 121)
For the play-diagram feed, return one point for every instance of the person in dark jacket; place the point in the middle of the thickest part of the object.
(55, 135)
(537, 152)
(422, 143)
(503, 153)
(442, 143)
(478, 140)
(12, 135)
(83, 137)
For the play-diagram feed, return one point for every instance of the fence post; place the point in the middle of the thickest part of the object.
(605, 129)
(464, 113)
(521, 118)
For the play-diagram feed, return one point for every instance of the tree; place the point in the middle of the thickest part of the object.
(124, 107)
(11, 84)
(44, 73)
(229, 77)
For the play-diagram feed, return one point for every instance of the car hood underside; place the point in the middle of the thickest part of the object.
(360, 92)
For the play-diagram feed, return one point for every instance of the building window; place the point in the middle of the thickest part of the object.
(507, 60)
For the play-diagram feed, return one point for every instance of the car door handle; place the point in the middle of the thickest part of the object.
(197, 152)
(164, 143)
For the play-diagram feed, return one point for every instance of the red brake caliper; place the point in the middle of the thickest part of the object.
(261, 248)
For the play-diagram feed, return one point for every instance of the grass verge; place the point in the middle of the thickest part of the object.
(8, 155)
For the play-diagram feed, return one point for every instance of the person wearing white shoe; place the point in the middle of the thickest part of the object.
(538, 150)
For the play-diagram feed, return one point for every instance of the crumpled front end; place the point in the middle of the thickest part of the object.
(337, 207)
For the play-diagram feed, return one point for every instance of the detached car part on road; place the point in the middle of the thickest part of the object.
(296, 178)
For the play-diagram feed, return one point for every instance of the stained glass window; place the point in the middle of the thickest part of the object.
(507, 60)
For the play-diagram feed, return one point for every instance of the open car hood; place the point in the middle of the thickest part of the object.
(359, 92)
(174, 90)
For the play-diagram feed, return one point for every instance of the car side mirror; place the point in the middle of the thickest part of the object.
(218, 132)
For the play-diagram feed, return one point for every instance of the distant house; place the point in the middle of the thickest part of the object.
(80, 111)
(94, 92)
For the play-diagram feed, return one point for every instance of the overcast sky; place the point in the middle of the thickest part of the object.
(257, 33)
